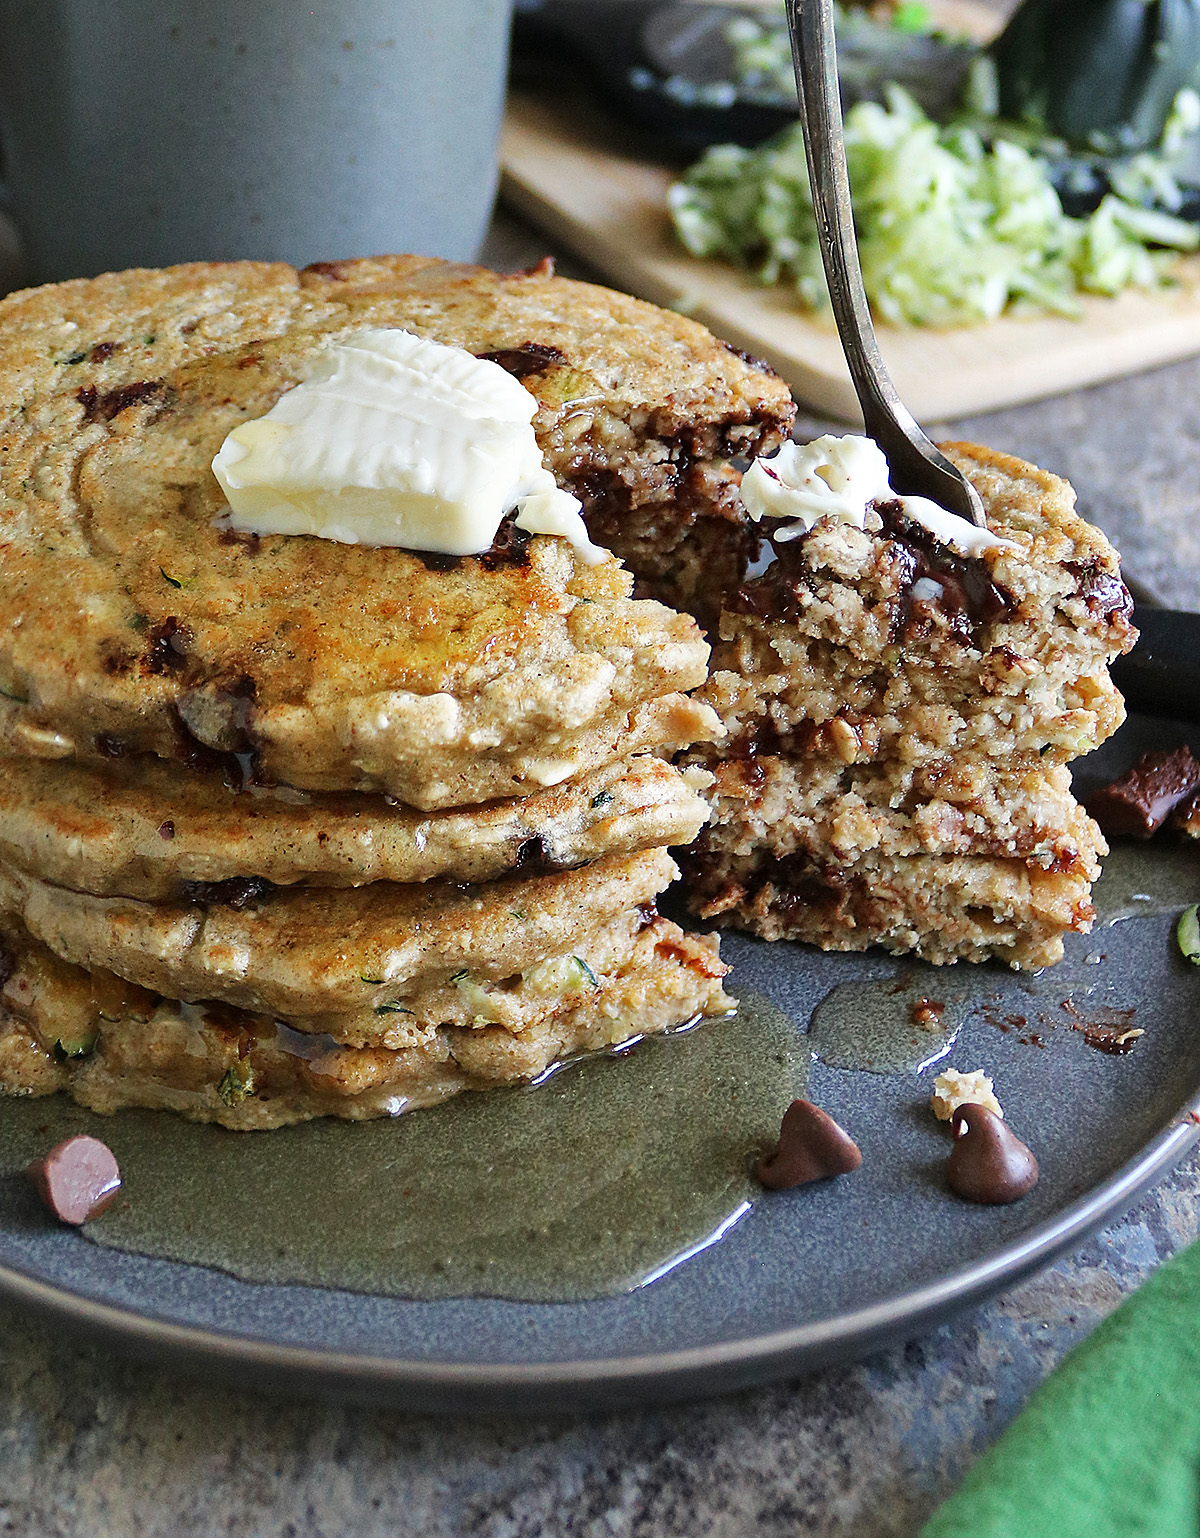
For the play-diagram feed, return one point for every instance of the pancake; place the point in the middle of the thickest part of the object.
(129, 623)
(439, 688)
(291, 827)
(469, 1000)
(110, 1046)
(148, 829)
(309, 951)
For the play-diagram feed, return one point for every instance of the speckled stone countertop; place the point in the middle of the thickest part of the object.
(93, 1445)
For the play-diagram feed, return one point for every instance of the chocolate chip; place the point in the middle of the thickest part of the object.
(235, 892)
(970, 598)
(1105, 595)
(526, 360)
(98, 407)
(750, 359)
(1142, 799)
(433, 561)
(78, 1180)
(533, 857)
(167, 646)
(988, 1163)
(811, 1147)
(251, 543)
(785, 586)
(509, 548)
(235, 768)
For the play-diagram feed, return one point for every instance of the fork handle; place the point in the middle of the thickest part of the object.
(917, 466)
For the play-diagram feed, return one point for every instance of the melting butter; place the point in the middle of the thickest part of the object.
(891, 1025)
(839, 478)
(397, 440)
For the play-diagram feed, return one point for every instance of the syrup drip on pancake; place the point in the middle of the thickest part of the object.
(969, 597)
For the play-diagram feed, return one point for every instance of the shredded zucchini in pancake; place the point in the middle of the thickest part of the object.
(950, 231)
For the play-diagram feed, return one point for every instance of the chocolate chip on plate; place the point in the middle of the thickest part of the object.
(1143, 798)
(78, 1180)
(988, 1163)
(811, 1147)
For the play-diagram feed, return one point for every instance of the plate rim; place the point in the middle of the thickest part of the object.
(605, 1382)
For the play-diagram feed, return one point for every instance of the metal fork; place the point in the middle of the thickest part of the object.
(917, 466)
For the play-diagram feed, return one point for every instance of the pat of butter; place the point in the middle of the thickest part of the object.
(839, 478)
(395, 440)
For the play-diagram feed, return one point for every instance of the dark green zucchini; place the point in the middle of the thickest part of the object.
(1101, 74)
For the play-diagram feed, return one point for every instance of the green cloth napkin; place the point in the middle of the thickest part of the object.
(1109, 1445)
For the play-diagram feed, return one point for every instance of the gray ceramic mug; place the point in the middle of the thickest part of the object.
(145, 132)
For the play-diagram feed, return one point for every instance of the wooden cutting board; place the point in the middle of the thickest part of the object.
(586, 183)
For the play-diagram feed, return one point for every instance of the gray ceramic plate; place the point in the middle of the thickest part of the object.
(809, 1277)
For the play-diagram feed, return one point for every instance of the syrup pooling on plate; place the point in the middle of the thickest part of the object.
(908, 1023)
(592, 1182)
(893, 1025)
(1141, 879)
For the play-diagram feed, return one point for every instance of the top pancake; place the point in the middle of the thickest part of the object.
(129, 623)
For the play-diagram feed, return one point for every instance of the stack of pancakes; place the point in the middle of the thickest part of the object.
(464, 961)
(289, 827)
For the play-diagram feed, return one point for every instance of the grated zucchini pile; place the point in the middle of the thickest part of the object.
(951, 231)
